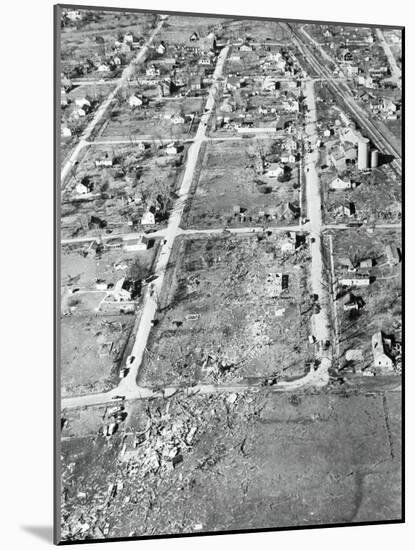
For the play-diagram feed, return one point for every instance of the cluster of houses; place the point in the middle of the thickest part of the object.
(358, 275)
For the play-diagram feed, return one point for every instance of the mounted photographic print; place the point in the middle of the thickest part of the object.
(229, 261)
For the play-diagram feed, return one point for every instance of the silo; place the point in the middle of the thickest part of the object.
(374, 159)
(363, 154)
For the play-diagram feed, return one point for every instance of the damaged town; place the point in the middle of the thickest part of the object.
(231, 332)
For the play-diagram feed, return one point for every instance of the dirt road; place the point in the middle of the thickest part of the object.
(320, 321)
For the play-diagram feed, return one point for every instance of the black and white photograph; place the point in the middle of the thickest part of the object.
(229, 346)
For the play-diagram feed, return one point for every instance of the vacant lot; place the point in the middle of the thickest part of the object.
(223, 317)
(255, 462)
(226, 179)
(92, 348)
(382, 299)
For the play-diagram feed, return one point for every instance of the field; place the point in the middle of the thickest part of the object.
(382, 299)
(262, 460)
(226, 179)
(222, 294)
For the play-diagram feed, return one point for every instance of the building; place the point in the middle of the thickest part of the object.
(339, 184)
(354, 279)
(134, 244)
(392, 255)
(381, 359)
(363, 154)
(134, 101)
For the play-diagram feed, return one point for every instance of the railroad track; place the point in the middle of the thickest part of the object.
(341, 89)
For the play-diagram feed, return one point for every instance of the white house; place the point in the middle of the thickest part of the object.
(148, 218)
(128, 38)
(161, 49)
(134, 101)
(274, 170)
(103, 68)
(171, 149)
(134, 244)
(81, 189)
(66, 132)
(340, 184)
(177, 119)
(82, 101)
(380, 358)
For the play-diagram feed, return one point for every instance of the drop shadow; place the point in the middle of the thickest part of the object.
(42, 532)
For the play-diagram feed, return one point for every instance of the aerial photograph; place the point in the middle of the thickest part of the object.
(230, 262)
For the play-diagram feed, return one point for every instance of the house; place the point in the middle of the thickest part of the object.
(134, 101)
(177, 119)
(81, 189)
(194, 37)
(365, 264)
(148, 218)
(161, 48)
(196, 82)
(141, 146)
(64, 98)
(381, 359)
(152, 71)
(128, 37)
(82, 102)
(66, 132)
(354, 279)
(104, 161)
(245, 48)
(103, 68)
(392, 255)
(74, 15)
(338, 159)
(171, 149)
(288, 242)
(340, 184)
(205, 60)
(134, 244)
(349, 209)
(274, 170)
